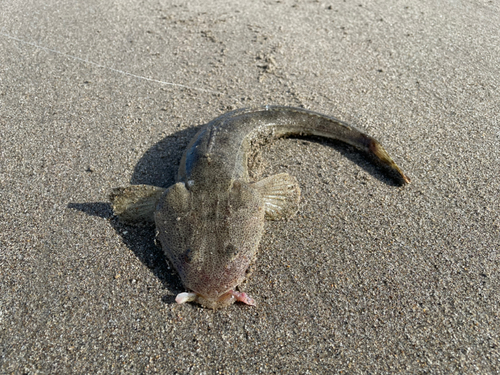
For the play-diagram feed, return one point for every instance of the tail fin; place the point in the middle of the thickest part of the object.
(380, 154)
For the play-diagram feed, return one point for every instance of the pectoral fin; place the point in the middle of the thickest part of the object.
(281, 195)
(135, 204)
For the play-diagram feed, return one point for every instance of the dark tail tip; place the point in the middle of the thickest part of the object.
(383, 157)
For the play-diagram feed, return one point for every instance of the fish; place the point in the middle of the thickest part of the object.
(210, 222)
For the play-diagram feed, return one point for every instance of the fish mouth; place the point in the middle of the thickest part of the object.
(224, 300)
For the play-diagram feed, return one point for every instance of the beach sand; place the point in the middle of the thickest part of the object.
(369, 277)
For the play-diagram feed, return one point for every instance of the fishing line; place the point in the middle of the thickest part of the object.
(106, 67)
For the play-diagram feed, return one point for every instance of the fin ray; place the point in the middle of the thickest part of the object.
(281, 195)
(135, 204)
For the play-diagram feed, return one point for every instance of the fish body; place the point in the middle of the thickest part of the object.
(210, 222)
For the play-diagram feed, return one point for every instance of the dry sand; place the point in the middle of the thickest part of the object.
(367, 278)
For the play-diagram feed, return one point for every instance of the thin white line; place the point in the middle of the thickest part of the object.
(106, 67)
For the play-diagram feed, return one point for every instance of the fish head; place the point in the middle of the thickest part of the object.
(211, 235)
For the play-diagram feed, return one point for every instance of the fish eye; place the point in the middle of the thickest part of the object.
(230, 250)
(236, 186)
(187, 256)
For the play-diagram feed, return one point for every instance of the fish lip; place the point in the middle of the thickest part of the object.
(226, 299)
(222, 300)
(218, 297)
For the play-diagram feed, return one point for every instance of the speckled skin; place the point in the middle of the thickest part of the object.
(211, 221)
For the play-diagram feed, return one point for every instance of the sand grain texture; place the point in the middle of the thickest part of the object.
(367, 278)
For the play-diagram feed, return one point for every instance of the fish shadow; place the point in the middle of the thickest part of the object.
(365, 161)
(158, 166)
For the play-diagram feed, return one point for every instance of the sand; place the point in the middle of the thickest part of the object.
(369, 277)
